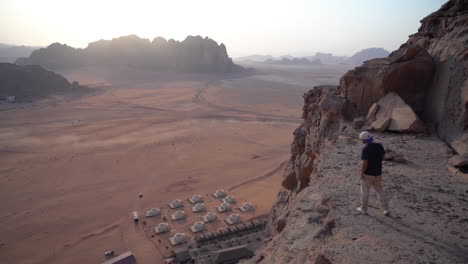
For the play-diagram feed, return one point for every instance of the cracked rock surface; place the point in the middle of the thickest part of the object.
(429, 209)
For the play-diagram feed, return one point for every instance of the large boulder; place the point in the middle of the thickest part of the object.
(392, 113)
(407, 72)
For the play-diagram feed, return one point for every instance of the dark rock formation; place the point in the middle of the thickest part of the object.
(367, 54)
(194, 54)
(32, 82)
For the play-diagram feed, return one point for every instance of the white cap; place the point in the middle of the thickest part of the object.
(365, 135)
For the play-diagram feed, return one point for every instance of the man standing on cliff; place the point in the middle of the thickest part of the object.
(371, 172)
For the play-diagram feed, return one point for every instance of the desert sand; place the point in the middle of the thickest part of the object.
(71, 168)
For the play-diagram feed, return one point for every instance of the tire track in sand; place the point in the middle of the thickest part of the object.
(199, 99)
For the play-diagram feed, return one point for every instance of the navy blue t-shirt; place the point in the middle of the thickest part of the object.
(373, 153)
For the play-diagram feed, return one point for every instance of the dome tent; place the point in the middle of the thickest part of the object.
(178, 215)
(153, 212)
(162, 228)
(178, 238)
(219, 194)
(197, 227)
(210, 217)
(199, 207)
(224, 207)
(246, 207)
(229, 199)
(196, 199)
(233, 219)
(176, 204)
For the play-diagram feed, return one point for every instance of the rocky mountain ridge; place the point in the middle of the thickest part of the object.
(314, 218)
(319, 58)
(367, 54)
(194, 54)
(32, 82)
(294, 61)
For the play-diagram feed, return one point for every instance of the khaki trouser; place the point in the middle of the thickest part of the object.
(376, 182)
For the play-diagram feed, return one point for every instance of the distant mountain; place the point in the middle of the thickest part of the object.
(264, 58)
(194, 54)
(320, 58)
(9, 53)
(32, 82)
(287, 56)
(356, 59)
(255, 58)
(327, 58)
(293, 61)
(367, 54)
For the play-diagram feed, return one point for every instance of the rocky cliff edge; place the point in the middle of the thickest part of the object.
(314, 219)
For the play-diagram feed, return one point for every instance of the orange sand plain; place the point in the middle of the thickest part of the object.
(71, 168)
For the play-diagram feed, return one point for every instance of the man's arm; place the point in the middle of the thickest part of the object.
(364, 168)
(365, 162)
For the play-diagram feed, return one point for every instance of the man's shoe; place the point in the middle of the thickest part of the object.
(361, 210)
(386, 212)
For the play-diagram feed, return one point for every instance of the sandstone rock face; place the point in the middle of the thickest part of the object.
(194, 54)
(428, 72)
(391, 113)
(322, 117)
(444, 35)
(407, 73)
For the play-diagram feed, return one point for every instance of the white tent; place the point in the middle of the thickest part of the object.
(176, 204)
(219, 194)
(224, 207)
(178, 215)
(162, 228)
(246, 207)
(199, 207)
(178, 238)
(229, 199)
(153, 212)
(197, 227)
(196, 199)
(210, 217)
(233, 219)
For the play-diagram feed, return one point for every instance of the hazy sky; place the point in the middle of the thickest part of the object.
(297, 27)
